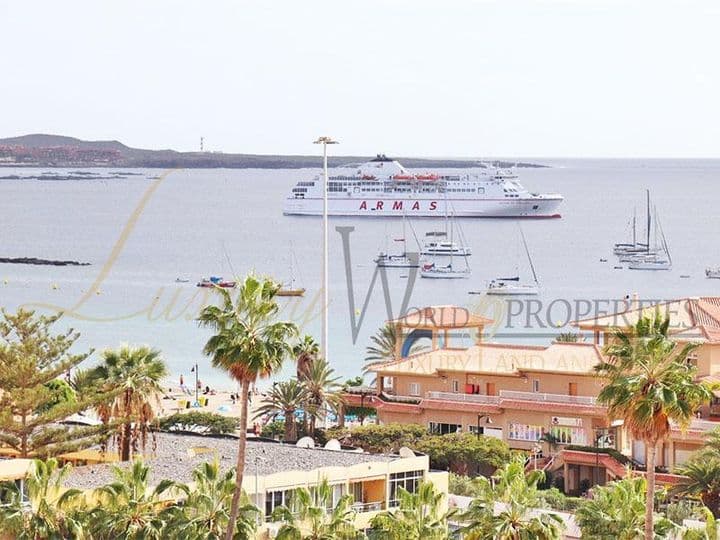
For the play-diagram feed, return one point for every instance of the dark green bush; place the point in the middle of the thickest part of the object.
(205, 423)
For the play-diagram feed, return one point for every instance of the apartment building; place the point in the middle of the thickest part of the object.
(272, 472)
(541, 399)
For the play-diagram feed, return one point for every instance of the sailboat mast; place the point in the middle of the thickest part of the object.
(634, 227)
(527, 252)
(648, 220)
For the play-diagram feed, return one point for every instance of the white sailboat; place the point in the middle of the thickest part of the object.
(290, 289)
(437, 243)
(446, 271)
(656, 257)
(513, 286)
(398, 260)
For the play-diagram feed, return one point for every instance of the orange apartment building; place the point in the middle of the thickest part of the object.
(520, 393)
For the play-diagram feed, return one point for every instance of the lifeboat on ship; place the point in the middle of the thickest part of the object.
(427, 177)
(368, 177)
(403, 177)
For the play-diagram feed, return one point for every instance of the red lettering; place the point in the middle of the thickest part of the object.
(397, 205)
(363, 205)
(379, 205)
(433, 205)
(416, 206)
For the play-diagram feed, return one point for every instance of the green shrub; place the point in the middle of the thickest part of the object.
(274, 429)
(464, 453)
(385, 438)
(461, 485)
(205, 423)
(557, 500)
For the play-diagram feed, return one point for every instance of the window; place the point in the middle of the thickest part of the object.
(569, 435)
(356, 490)
(438, 428)
(692, 359)
(414, 389)
(572, 389)
(455, 386)
(525, 432)
(536, 385)
(409, 481)
(274, 499)
(338, 491)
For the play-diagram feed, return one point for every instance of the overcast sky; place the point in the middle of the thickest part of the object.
(436, 78)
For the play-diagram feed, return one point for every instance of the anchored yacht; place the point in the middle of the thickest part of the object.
(383, 187)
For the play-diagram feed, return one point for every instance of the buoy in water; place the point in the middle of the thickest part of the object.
(55, 286)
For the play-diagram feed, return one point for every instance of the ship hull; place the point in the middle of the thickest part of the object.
(536, 207)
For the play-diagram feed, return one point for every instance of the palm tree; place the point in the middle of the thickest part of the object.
(617, 512)
(649, 384)
(305, 352)
(207, 508)
(322, 391)
(701, 476)
(248, 343)
(285, 398)
(712, 443)
(129, 509)
(54, 513)
(137, 373)
(383, 347)
(503, 507)
(311, 515)
(419, 516)
(710, 532)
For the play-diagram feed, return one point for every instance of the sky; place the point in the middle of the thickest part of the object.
(538, 78)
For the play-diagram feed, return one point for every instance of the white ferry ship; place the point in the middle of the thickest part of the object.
(383, 187)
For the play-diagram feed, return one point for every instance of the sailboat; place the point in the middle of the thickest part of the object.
(447, 271)
(626, 250)
(654, 259)
(398, 260)
(513, 286)
(436, 243)
(290, 289)
(713, 273)
(655, 256)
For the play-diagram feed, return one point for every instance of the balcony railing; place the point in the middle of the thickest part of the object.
(701, 425)
(368, 507)
(551, 398)
(465, 398)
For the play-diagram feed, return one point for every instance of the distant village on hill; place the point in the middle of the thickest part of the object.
(59, 151)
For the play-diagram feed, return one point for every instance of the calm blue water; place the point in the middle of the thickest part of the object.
(226, 222)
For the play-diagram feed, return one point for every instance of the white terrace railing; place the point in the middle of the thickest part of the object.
(701, 425)
(465, 398)
(550, 398)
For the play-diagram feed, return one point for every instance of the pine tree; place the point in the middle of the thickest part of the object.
(32, 357)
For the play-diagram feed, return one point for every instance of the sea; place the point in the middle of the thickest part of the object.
(142, 230)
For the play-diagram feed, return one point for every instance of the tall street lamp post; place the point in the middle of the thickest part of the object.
(325, 287)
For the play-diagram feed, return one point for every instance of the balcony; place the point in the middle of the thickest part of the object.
(464, 398)
(360, 507)
(701, 425)
(549, 398)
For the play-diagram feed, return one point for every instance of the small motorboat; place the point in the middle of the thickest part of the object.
(182, 280)
(430, 270)
(291, 291)
(511, 287)
(214, 281)
(713, 273)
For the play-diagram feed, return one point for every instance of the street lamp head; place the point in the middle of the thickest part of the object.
(325, 140)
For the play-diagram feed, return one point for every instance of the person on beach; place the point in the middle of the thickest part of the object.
(183, 388)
